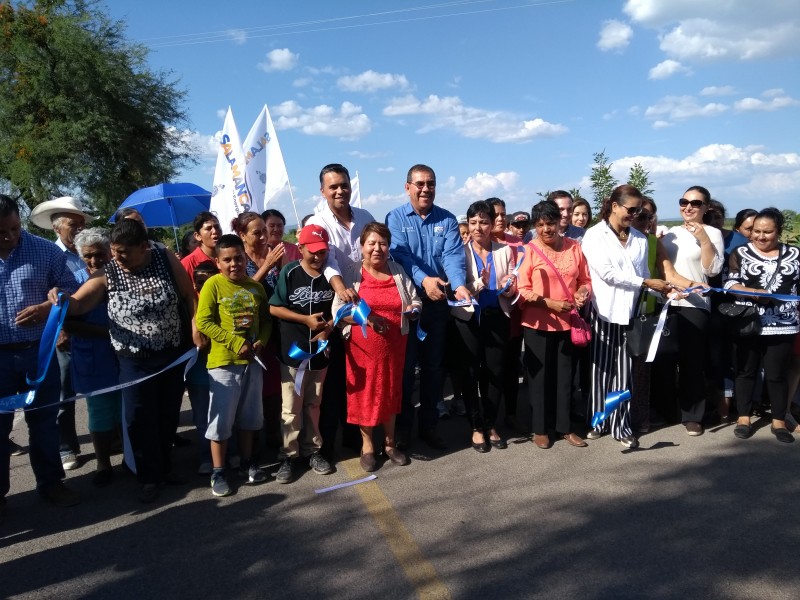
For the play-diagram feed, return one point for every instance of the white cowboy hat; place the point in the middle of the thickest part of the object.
(42, 213)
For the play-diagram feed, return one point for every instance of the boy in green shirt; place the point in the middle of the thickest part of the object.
(232, 311)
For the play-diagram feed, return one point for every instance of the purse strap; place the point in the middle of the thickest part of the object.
(552, 266)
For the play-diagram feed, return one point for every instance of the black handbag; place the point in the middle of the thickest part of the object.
(742, 317)
(640, 331)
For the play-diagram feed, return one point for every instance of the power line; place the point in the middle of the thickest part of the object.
(214, 37)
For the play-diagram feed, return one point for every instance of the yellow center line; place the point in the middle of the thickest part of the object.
(418, 569)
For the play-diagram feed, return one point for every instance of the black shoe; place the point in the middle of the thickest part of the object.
(61, 495)
(285, 472)
(499, 444)
(743, 431)
(401, 440)
(149, 493)
(180, 442)
(173, 478)
(103, 478)
(482, 447)
(782, 434)
(15, 449)
(433, 440)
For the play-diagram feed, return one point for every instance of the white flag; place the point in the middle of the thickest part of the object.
(355, 196)
(266, 171)
(355, 192)
(230, 196)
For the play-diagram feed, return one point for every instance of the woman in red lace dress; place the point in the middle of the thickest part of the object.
(375, 361)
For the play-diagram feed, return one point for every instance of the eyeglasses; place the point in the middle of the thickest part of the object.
(421, 184)
(645, 216)
(632, 210)
(683, 203)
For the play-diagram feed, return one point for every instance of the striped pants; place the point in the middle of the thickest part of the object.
(611, 372)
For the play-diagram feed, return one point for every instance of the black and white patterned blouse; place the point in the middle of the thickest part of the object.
(750, 268)
(143, 308)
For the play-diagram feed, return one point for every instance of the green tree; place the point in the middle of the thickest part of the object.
(80, 111)
(640, 179)
(602, 181)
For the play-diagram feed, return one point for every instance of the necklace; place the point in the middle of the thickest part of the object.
(622, 234)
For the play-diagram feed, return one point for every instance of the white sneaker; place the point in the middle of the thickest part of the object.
(70, 461)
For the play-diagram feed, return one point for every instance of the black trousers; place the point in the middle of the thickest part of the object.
(482, 367)
(690, 362)
(550, 364)
(333, 410)
(774, 352)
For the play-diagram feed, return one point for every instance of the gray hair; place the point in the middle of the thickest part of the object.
(57, 219)
(94, 236)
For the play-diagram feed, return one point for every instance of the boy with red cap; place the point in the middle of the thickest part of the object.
(302, 303)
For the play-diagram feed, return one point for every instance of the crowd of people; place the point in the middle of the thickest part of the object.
(296, 341)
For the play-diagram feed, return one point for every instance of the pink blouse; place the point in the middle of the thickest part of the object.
(538, 277)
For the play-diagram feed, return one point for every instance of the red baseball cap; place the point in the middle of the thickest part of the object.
(313, 237)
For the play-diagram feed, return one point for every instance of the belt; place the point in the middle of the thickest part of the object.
(18, 346)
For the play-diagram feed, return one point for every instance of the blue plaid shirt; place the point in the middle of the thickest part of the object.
(427, 247)
(30, 271)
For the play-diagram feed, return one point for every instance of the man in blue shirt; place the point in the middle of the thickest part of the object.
(66, 217)
(29, 268)
(426, 242)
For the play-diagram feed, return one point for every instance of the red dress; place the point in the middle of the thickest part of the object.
(375, 364)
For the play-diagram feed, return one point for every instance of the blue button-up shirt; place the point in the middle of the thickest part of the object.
(429, 247)
(74, 262)
(26, 275)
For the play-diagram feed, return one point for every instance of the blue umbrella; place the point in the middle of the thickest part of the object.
(168, 204)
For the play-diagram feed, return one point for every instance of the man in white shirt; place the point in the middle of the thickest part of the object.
(344, 224)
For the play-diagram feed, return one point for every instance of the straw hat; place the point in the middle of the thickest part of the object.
(41, 215)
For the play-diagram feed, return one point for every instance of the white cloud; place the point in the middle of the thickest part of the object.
(756, 104)
(367, 155)
(302, 82)
(715, 90)
(714, 162)
(671, 109)
(485, 185)
(384, 199)
(610, 115)
(450, 113)
(371, 81)
(668, 68)
(280, 59)
(239, 36)
(204, 145)
(347, 123)
(221, 112)
(614, 35)
(693, 31)
(680, 108)
(386, 169)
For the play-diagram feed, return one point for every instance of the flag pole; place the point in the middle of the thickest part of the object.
(294, 206)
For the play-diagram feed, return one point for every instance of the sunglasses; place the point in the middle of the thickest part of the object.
(683, 203)
(645, 216)
(632, 210)
(421, 184)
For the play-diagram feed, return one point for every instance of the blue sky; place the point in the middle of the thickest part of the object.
(502, 98)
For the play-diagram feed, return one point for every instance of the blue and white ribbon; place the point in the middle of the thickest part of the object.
(305, 357)
(613, 401)
(358, 312)
(47, 347)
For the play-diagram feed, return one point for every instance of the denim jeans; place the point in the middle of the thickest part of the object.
(42, 427)
(430, 355)
(152, 409)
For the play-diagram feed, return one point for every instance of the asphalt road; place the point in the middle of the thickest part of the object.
(681, 517)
